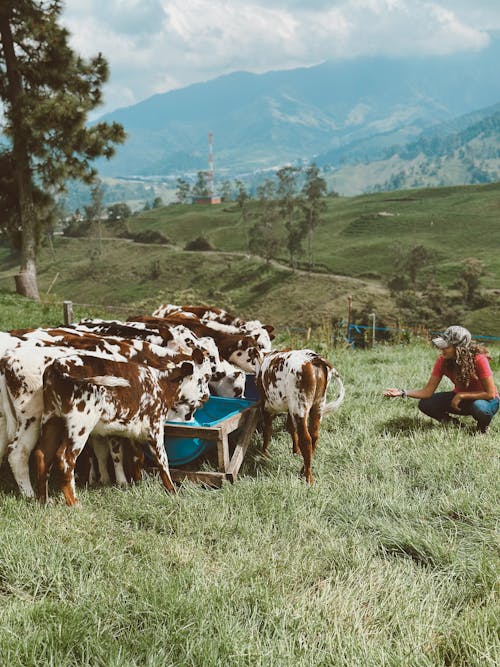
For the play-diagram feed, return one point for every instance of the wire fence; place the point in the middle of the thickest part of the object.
(361, 335)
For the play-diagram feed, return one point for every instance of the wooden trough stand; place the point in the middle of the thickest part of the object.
(228, 463)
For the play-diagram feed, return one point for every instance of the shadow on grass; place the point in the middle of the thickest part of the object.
(398, 425)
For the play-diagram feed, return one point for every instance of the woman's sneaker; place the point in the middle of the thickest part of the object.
(483, 429)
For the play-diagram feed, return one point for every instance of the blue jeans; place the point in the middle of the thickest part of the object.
(438, 406)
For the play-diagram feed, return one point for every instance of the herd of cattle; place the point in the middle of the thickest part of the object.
(114, 384)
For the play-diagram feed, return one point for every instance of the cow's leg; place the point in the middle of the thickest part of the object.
(158, 450)
(290, 427)
(116, 446)
(314, 422)
(52, 434)
(66, 456)
(267, 430)
(20, 448)
(134, 460)
(3, 438)
(101, 451)
(305, 444)
(84, 472)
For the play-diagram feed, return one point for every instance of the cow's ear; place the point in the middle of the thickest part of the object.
(198, 355)
(182, 371)
(244, 344)
(269, 328)
(186, 368)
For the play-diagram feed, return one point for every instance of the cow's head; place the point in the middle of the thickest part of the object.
(193, 388)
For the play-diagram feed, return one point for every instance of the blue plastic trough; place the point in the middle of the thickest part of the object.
(211, 413)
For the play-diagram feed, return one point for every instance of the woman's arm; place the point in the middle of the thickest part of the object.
(489, 392)
(426, 392)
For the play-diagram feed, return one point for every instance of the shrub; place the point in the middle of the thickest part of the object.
(148, 236)
(199, 243)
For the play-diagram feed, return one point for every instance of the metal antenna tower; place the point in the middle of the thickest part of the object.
(210, 165)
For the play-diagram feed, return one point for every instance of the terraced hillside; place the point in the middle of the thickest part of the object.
(356, 249)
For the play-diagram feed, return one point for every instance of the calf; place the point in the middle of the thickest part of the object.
(221, 320)
(84, 394)
(239, 349)
(21, 398)
(226, 380)
(295, 382)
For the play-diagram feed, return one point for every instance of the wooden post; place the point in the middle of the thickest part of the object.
(68, 312)
(372, 315)
(349, 314)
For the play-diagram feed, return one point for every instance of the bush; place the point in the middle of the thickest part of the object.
(199, 243)
(148, 236)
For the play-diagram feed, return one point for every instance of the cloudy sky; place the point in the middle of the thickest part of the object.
(153, 46)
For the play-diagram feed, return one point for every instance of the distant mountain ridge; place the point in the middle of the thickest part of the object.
(260, 120)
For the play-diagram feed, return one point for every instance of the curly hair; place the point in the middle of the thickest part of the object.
(464, 361)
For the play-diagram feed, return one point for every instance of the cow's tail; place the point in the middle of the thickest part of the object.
(8, 420)
(107, 381)
(335, 405)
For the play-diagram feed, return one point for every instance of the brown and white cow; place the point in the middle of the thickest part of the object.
(84, 395)
(239, 349)
(295, 382)
(227, 380)
(221, 320)
(21, 397)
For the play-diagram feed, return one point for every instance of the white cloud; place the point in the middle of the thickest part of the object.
(156, 45)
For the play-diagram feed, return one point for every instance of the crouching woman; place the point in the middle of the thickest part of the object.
(466, 364)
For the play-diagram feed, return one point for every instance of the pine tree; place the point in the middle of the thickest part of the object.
(47, 92)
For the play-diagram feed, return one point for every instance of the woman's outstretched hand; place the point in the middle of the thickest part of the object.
(393, 393)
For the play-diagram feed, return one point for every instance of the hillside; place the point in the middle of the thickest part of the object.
(464, 151)
(355, 250)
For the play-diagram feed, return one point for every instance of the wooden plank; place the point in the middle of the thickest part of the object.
(228, 466)
(223, 452)
(183, 431)
(242, 446)
(205, 477)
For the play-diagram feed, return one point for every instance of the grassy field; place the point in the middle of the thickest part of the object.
(390, 559)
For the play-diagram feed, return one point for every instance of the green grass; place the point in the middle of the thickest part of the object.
(355, 247)
(390, 559)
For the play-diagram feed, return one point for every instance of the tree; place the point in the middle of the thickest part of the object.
(416, 258)
(469, 279)
(288, 202)
(183, 191)
(10, 227)
(313, 204)
(200, 188)
(263, 238)
(226, 191)
(94, 212)
(242, 199)
(119, 211)
(47, 92)
(157, 202)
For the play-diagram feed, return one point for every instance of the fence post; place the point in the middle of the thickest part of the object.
(349, 317)
(68, 312)
(372, 315)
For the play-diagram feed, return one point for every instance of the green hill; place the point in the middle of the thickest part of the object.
(355, 251)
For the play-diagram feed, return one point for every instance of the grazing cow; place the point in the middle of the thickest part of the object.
(84, 394)
(238, 349)
(21, 398)
(226, 380)
(221, 320)
(295, 382)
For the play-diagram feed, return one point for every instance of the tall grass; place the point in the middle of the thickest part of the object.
(390, 559)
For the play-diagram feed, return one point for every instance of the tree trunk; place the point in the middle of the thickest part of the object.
(26, 280)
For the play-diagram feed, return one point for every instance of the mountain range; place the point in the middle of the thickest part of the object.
(337, 113)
